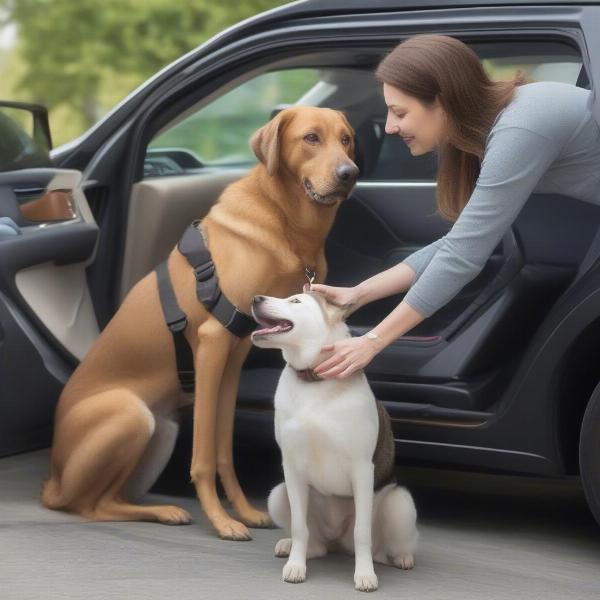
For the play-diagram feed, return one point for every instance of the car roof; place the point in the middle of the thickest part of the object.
(307, 8)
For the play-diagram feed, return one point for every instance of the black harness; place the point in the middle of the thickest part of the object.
(193, 246)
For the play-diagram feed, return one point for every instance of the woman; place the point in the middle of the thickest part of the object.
(497, 143)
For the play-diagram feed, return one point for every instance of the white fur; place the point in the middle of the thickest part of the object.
(327, 432)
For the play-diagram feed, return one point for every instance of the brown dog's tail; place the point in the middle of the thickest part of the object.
(51, 495)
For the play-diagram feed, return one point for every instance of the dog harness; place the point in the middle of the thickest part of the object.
(193, 246)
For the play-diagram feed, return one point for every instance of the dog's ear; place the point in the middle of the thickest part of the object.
(334, 313)
(346, 122)
(340, 312)
(265, 143)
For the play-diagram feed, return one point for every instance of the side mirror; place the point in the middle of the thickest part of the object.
(25, 143)
(25, 140)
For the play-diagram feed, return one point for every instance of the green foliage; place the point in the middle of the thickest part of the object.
(219, 132)
(80, 57)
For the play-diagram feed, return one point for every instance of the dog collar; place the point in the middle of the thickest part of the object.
(307, 375)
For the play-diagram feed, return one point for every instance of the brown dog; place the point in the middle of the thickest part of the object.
(114, 424)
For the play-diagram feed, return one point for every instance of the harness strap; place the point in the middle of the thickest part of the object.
(238, 322)
(176, 322)
(192, 246)
(208, 291)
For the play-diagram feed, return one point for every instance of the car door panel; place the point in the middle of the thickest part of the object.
(159, 211)
(47, 320)
(407, 208)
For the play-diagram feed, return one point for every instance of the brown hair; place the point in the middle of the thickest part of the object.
(428, 66)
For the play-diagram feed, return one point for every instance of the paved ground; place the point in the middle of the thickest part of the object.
(482, 537)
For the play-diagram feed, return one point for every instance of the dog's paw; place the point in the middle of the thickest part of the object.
(230, 529)
(404, 561)
(255, 518)
(283, 547)
(173, 515)
(294, 572)
(366, 582)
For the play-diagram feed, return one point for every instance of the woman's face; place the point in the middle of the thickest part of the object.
(421, 127)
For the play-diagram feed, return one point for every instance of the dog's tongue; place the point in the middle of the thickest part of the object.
(283, 326)
(269, 329)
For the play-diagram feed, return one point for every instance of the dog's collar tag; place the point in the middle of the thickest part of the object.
(310, 275)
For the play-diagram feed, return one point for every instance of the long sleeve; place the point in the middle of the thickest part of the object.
(514, 161)
(418, 260)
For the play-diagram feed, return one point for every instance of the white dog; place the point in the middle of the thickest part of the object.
(337, 449)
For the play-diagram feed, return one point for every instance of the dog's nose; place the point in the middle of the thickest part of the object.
(258, 299)
(346, 173)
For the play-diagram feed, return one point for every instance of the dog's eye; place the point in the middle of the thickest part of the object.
(312, 138)
(346, 140)
(295, 300)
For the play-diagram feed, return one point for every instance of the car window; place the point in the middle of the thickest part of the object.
(218, 133)
(535, 68)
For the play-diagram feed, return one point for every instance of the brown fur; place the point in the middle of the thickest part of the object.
(261, 233)
(384, 457)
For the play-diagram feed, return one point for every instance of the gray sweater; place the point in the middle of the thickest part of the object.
(546, 141)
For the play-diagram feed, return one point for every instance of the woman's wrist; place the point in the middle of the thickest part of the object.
(360, 294)
(374, 338)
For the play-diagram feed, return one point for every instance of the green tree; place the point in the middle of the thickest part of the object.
(82, 56)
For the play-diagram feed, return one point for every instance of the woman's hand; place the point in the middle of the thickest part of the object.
(336, 295)
(351, 354)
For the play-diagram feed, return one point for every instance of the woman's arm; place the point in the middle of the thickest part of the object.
(398, 278)
(419, 260)
(354, 353)
(402, 319)
(515, 160)
(387, 283)
(392, 281)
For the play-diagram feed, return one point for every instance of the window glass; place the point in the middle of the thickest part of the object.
(218, 133)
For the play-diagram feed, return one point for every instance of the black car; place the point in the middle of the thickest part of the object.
(503, 378)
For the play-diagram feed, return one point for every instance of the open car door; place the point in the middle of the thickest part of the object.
(47, 237)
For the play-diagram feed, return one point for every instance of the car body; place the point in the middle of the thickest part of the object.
(498, 380)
